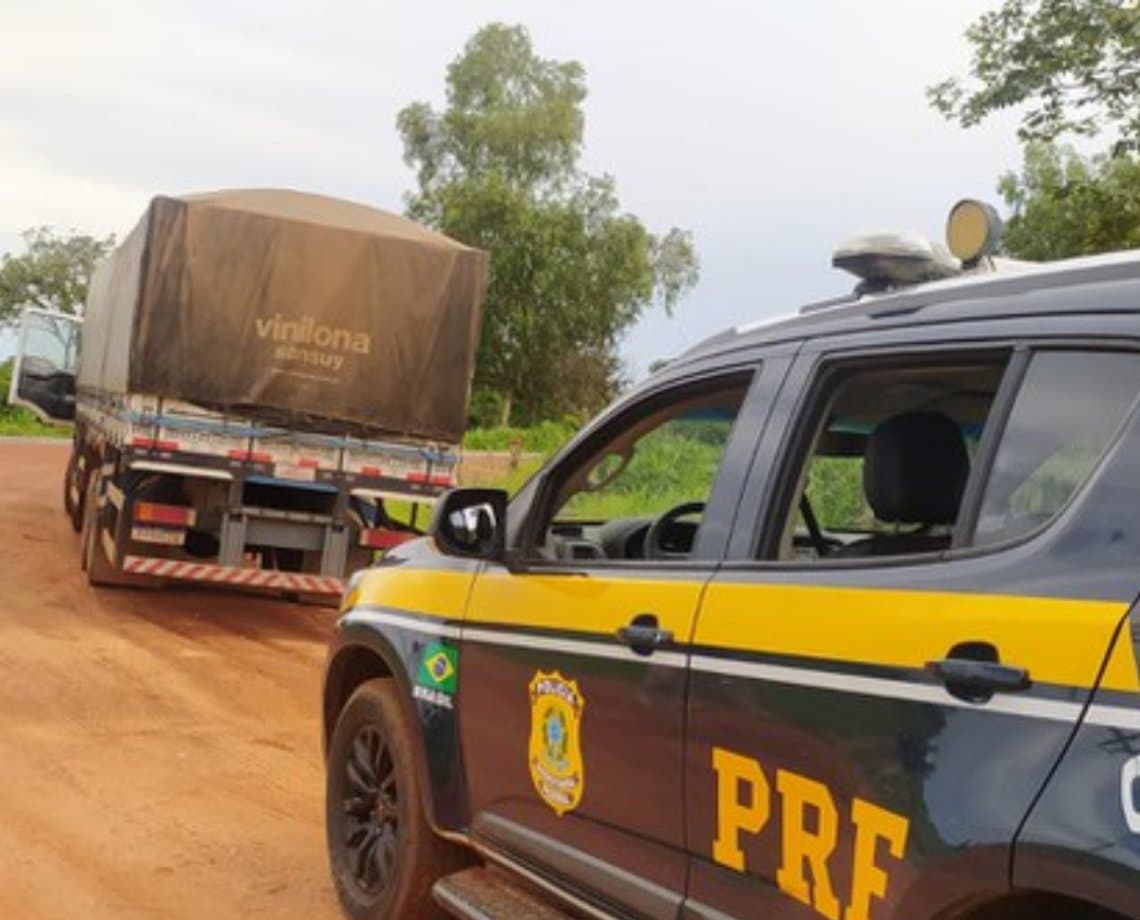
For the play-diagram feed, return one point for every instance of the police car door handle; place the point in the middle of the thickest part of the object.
(643, 634)
(982, 676)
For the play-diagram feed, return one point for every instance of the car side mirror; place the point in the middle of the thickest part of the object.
(471, 523)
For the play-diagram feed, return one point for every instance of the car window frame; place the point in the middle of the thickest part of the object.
(961, 547)
(764, 490)
(757, 371)
(804, 426)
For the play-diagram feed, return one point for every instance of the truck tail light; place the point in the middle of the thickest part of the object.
(167, 515)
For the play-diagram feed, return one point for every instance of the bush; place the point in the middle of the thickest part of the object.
(5, 380)
(544, 438)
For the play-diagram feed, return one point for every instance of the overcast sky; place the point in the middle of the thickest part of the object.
(772, 130)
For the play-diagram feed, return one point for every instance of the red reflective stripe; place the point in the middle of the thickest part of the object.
(310, 463)
(438, 479)
(384, 539)
(172, 568)
(153, 443)
(371, 471)
(252, 455)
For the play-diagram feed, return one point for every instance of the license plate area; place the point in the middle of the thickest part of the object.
(166, 536)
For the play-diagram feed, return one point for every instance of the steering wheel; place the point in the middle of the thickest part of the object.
(657, 529)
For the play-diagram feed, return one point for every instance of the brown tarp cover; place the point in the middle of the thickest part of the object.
(291, 309)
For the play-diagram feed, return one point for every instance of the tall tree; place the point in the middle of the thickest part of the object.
(1063, 204)
(1074, 64)
(570, 272)
(52, 273)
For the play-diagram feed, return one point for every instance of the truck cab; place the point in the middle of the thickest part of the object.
(46, 364)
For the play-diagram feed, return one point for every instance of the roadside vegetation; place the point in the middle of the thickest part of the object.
(499, 166)
(571, 270)
(15, 421)
(671, 466)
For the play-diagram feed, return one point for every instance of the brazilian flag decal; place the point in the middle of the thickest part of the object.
(437, 667)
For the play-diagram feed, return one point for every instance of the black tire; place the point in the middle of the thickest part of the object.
(89, 528)
(92, 556)
(68, 472)
(74, 509)
(383, 854)
(101, 573)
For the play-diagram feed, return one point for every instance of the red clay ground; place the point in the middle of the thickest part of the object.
(159, 750)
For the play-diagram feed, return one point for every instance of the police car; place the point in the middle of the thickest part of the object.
(831, 617)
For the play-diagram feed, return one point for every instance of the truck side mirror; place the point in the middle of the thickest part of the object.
(471, 523)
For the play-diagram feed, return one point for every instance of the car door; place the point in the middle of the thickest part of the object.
(572, 674)
(871, 714)
(46, 363)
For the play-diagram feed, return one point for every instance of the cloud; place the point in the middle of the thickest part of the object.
(771, 130)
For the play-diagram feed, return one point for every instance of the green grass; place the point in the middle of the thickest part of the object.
(516, 479)
(15, 421)
(401, 513)
(19, 422)
(675, 464)
(544, 438)
(669, 466)
(511, 481)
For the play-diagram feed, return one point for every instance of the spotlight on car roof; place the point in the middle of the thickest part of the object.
(973, 231)
(890, 260)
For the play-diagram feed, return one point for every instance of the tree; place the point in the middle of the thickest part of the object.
(1066, 205)
(1075, 63)
(52, 273)
(570, 272)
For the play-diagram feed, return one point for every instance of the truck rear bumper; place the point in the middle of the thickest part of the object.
(234, 576)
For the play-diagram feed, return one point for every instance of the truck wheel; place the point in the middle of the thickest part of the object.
(383, 854)
(88, 530)
(68, 472)
(92, 555)
(74, 509)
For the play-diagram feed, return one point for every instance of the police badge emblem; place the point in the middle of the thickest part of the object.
(555, 751)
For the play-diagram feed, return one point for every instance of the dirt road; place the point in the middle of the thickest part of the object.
(159, 751)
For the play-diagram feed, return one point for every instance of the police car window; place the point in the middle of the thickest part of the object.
(889, 463)
(1068, 408)
(641, 494)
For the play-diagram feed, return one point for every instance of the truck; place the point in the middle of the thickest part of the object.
(265, 388)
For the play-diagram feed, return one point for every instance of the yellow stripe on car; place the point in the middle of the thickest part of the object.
(430, 592)
(1058, 641)
(597, 603)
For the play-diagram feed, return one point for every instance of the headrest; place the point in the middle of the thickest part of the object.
(915, 469)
